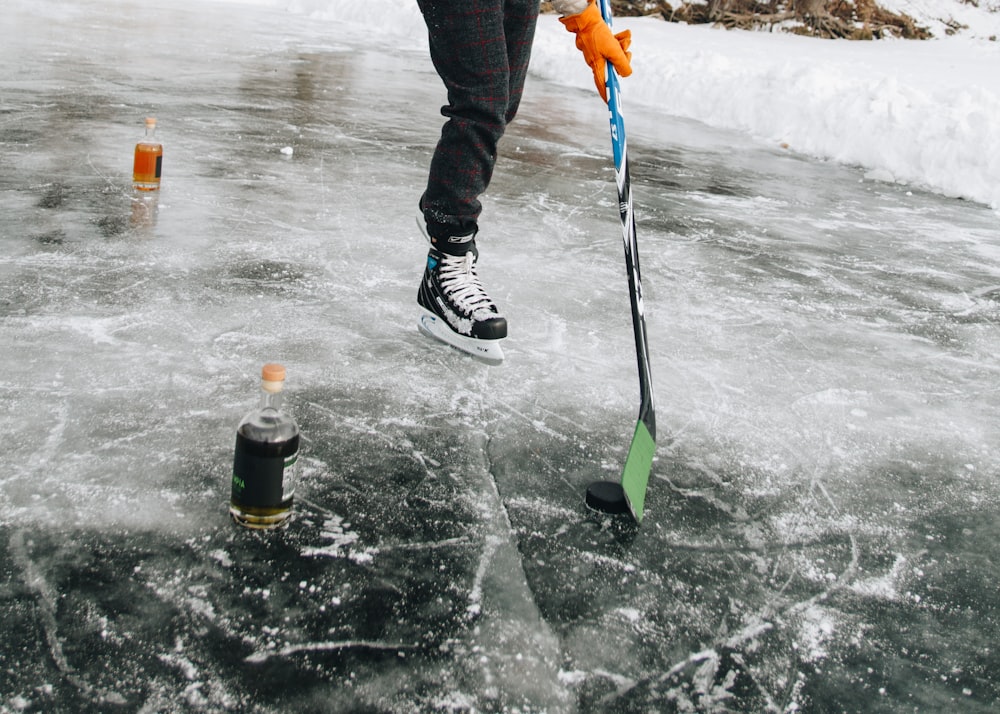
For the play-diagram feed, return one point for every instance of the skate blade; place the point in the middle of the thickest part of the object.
(487, 351)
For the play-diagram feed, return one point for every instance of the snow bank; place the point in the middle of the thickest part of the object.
(914, 112)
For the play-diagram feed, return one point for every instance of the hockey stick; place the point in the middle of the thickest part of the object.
(631, 494)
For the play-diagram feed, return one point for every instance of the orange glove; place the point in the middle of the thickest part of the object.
(594, 39)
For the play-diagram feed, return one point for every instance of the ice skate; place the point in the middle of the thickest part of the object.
(455, 308)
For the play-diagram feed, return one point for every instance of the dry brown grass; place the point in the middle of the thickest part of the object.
(846, 19)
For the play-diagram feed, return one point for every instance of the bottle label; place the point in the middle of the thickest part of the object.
(159, 165)
(259, 472)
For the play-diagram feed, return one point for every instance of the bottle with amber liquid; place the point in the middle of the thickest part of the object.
(264, 463)
(148, 160)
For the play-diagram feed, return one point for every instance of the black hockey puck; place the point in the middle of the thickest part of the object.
(607, 497)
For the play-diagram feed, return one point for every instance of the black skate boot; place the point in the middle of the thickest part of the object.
(456, 308)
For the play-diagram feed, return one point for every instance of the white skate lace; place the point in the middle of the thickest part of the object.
(458, 279)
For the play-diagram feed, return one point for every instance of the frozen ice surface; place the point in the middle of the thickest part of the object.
(822, 513)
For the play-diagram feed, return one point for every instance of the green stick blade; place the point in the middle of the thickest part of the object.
(635, 475)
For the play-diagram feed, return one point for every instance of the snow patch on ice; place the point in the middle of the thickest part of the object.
(815, 630)
(222, 556)
(882, 587)
(336, 531)
(454, 702)
(630, 614)
(572, 678)
(186, 666)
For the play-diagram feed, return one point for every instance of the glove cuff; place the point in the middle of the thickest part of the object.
(569, 7)
(583, 20)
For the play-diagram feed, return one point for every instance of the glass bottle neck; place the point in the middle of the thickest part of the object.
(270, 400)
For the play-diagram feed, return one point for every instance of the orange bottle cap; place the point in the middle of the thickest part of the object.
(273, 373)
(150, 121)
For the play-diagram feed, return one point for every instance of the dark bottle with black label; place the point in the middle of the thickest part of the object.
(264, 463)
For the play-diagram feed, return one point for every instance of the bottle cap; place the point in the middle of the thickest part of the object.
(272, 377)
(150, 121)
(273, 372)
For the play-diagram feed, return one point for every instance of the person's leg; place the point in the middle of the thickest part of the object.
(519, 28)
(480, 49)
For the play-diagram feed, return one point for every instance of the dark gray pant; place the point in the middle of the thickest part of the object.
(480, 49)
